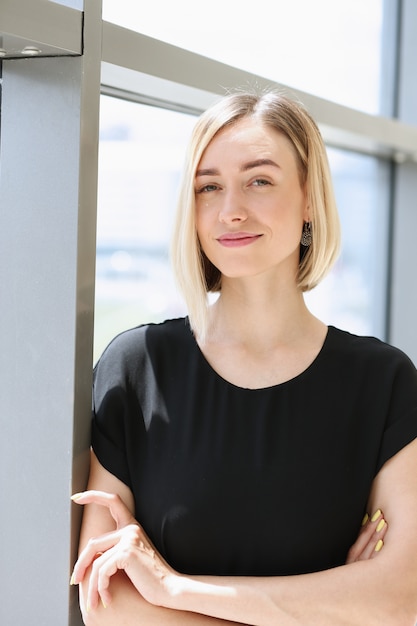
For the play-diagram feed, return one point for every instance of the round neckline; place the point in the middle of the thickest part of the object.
(292, 380)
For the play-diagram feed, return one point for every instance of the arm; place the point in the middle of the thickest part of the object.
(374, 591)
(127, 605)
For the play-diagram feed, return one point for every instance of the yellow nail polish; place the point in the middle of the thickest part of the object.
(103, 603)
(380, 525)
(89, 606)
(76, 497)
(365, 519)
(72, 580)
(376, 515)
(379, 545)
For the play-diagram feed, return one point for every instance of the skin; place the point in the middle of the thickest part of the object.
(260, 334)
(247, 180)
(276, 338)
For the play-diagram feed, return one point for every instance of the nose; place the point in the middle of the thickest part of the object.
(232, 208)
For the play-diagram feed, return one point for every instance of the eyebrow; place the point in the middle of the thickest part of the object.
(259, 162)
(212, 171)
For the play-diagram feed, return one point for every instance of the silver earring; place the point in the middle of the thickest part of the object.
(306, 237)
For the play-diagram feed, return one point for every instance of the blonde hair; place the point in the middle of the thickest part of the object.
(195, 274)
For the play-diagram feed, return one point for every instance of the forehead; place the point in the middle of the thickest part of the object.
(248, 139)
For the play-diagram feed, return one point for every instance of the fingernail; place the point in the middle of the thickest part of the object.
(379, 545)
(76, 496)
(103, 603)
(89, 606)
(72, 580)
(365, 519)
(380, 526)
(376, 515)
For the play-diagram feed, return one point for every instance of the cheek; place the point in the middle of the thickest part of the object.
(198, 222)
(202, 219)
(200, 230)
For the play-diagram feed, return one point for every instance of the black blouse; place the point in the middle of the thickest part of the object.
(261, 482)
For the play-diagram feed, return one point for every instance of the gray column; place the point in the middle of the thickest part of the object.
(48, 180)
(403, 328)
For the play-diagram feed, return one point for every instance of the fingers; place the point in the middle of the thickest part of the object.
(370, 540)
(95, 547)
(120, 557)
(106, 555)
(118, 510)
(104, 567)
(132, 552)
(376, 543)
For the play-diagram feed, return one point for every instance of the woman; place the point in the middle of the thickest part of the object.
(250, 440)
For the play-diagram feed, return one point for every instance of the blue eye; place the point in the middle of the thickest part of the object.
(207, 188)
(261, 182)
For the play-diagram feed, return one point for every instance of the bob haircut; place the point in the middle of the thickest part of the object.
(195, 274)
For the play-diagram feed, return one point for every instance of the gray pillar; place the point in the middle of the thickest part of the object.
(48, 180)
(403, 329)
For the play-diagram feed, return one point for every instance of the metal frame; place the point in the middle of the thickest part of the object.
(189, 78)
(48, 180)
(39, 28)
(135, 65)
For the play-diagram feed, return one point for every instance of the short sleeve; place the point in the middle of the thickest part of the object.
(111, 410)
(401, 422)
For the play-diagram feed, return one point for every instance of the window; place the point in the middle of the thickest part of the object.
(353, 295)
(73, 4)
(331, 49)
(140, 160)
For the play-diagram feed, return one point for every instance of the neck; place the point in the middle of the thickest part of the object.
(252, 313)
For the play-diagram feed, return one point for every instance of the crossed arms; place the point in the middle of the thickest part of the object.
(130, 583)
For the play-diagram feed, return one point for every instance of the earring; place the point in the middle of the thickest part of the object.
(306, 237)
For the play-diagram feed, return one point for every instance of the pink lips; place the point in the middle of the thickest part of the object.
(236, 240)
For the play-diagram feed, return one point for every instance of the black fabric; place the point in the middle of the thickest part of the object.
(250, 482)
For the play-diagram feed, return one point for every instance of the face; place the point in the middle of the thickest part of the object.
(250, 205)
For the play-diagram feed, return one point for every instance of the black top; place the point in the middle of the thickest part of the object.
(239, 481)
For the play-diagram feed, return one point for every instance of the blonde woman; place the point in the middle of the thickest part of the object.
(245, 459)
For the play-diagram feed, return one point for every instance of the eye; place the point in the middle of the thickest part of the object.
(260, 182)
(207, 188)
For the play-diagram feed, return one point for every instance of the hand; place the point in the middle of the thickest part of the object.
(126, 548)
(370, 539)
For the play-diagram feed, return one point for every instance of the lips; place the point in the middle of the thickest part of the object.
(235, 240)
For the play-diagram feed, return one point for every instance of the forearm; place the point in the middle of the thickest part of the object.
(130, 609)
(367, 592)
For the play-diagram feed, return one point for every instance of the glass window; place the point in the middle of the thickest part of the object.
(140, 160)
(331, 49)
(73, 4)
(141, 156)
(353, 296)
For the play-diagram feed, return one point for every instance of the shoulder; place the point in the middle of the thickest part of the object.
(366, 349)
(129, 341)
(131, 348)
(385, 371)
